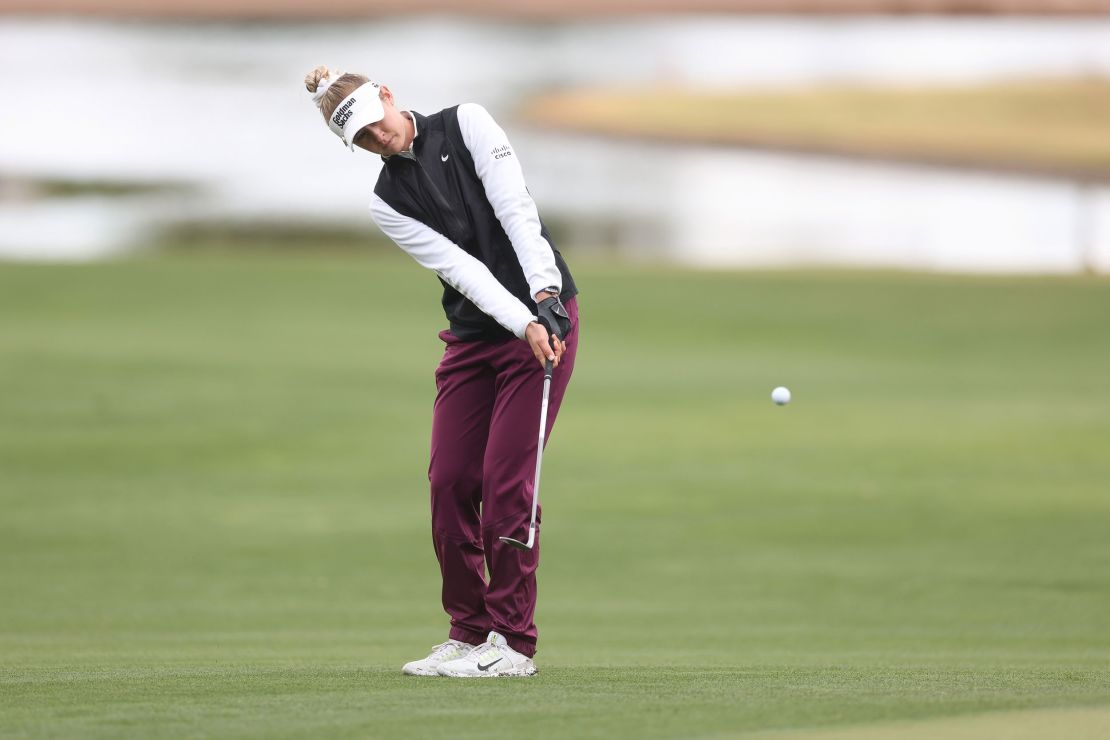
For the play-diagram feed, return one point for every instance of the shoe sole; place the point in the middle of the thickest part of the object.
(426, 673)
(502, 674)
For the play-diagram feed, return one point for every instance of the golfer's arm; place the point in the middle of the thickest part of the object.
(458, 269)
(497, 166)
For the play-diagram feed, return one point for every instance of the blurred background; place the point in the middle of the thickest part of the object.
(963, 135)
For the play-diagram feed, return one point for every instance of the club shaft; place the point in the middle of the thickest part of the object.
(548, 369)
(539, 457)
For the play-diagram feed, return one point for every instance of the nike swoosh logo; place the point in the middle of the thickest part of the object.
(444, 158)
(487, 666)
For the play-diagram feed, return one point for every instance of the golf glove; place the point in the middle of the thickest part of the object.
(553, 315)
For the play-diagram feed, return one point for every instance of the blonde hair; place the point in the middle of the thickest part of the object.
(340, 88)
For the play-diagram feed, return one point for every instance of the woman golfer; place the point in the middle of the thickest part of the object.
(451, 193)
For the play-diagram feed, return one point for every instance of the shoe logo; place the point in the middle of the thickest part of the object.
(444, 157)
(487, 666)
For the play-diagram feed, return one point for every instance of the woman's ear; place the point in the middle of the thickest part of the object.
(385, 95)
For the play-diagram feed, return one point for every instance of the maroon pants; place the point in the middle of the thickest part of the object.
(484, 436)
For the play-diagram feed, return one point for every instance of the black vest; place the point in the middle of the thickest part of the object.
(441, 190)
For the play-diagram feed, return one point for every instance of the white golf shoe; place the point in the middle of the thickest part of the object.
(492, 658)
(450, 650)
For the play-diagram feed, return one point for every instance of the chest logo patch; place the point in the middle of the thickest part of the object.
(445, 157)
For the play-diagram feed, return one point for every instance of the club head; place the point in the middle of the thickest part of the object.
(516, 543)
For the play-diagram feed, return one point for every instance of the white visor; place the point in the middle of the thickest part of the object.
(358, 109)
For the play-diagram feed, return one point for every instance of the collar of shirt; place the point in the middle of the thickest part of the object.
(407, 154)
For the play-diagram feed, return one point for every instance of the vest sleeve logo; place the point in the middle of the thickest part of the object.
(501, 152)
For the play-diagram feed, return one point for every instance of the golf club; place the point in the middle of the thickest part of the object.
(547, 370)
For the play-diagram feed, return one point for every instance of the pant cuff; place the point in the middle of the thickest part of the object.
(521, 646)
(470, 637)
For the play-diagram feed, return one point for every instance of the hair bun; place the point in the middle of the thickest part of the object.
(312, 79)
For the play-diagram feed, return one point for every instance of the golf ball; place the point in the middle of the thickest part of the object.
(781, 395)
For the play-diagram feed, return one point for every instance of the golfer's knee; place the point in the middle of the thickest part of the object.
(509, 512)
(455, 483)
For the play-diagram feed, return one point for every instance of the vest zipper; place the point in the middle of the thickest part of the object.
(460, 227)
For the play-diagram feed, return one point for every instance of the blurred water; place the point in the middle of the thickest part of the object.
(221, 106)
(714, 207)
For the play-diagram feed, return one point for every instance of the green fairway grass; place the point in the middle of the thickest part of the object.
(215, 518)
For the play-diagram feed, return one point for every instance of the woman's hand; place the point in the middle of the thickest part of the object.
(541, 343)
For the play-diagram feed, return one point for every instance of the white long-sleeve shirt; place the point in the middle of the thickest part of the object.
(499, 170)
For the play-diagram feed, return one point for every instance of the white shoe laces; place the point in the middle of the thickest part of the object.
(442, 649)
(486, 648)
(482, 649)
